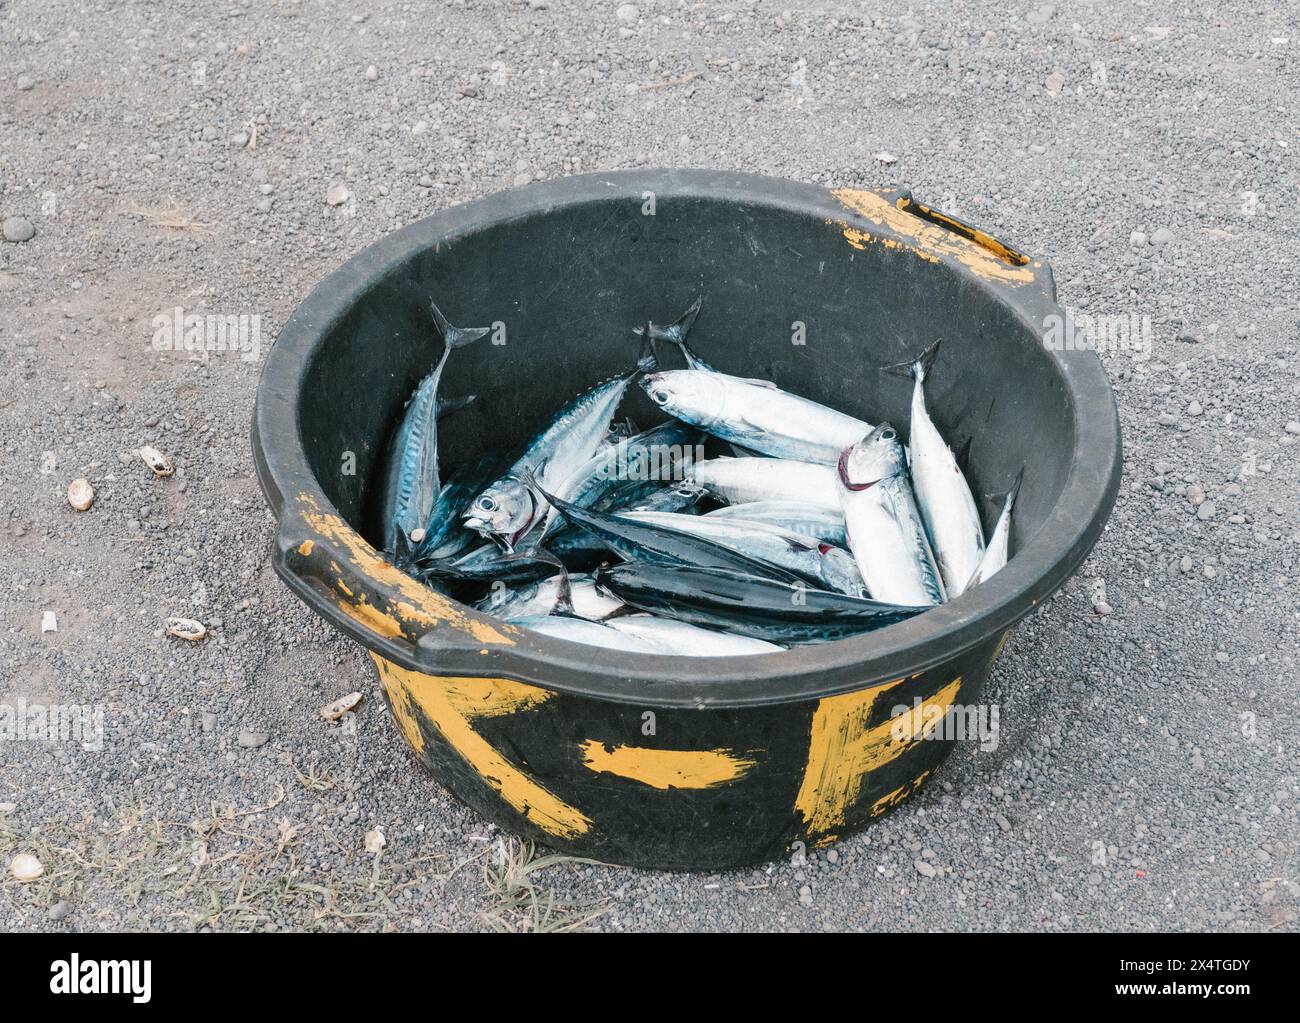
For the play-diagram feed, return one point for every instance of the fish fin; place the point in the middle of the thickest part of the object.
(918, 368)
(647, 361)
(455, 337)
(798, 544)
(962, 455)
(757, 382)
(564, 597)
(450, 406)
(403, 549)
(676, 333)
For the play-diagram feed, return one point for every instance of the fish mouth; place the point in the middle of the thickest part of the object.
(843, 468)
(475, 523)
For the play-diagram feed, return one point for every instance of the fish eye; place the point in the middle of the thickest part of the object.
(660, 396)
(888, 435)
(487, 504)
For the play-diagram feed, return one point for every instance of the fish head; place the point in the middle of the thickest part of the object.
(688, 394)
(839, 570)
(505, 510)
(877, 456)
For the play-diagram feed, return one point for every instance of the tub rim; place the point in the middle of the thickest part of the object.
(461, 642)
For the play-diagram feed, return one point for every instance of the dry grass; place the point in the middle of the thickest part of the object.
(228, 868)
(521, 906)
(172, 216)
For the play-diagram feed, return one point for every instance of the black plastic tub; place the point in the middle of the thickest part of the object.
(672, 761)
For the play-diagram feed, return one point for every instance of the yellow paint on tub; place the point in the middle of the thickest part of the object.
(843, 749)
(898, 795)
(666, 768)
(451, 705)
(415, 609)
(927, 240)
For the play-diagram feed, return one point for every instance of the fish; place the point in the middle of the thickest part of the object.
(685, 639)
(751, 413)
(885, 531)
(676, 332)
(654, 454)
(411, 480)
(738, 480)
(633, 539)
(485, 563)
(811, 559)
(445, 536)
(683, 498)
(564, 622)
(540, 598)
(744, 604)
(809, 520)
(995, 553)
(952, 522)
(579, 630)
(508, 509)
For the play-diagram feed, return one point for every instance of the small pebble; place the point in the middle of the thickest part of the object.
(81, 495)
(49, 623)
(1205, 511)
(60, 910)
(26, 867)
(26, 83)
(627, 13)
(338, 194)
(18, 229)
(252, 740)
(924, 869)
(372, 73)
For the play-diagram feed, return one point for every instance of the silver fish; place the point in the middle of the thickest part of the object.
(540, 598)
(885, 530)
(952, 522)
(737, 480)
(753, 414)
(814, 559)
(690, 640)
(508, 509)
(657, 453)
(797, 516)
(995, 554)
(411, 479)
(579, 630)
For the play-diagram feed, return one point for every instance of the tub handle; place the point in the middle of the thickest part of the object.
(356, 588)
(1004, 252)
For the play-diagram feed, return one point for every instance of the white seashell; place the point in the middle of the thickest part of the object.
(81, 495)
(375, 841)
(334, 711)
(26, 867)
(185, 628)
(159, 463)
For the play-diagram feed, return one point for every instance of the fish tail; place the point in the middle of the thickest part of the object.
(564, 597)
(450, 406)
(676, 332)
(1009, 498)
(646, 361)
(916, 369)
(455, 337)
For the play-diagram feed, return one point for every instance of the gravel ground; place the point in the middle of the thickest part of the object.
(188, 154)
